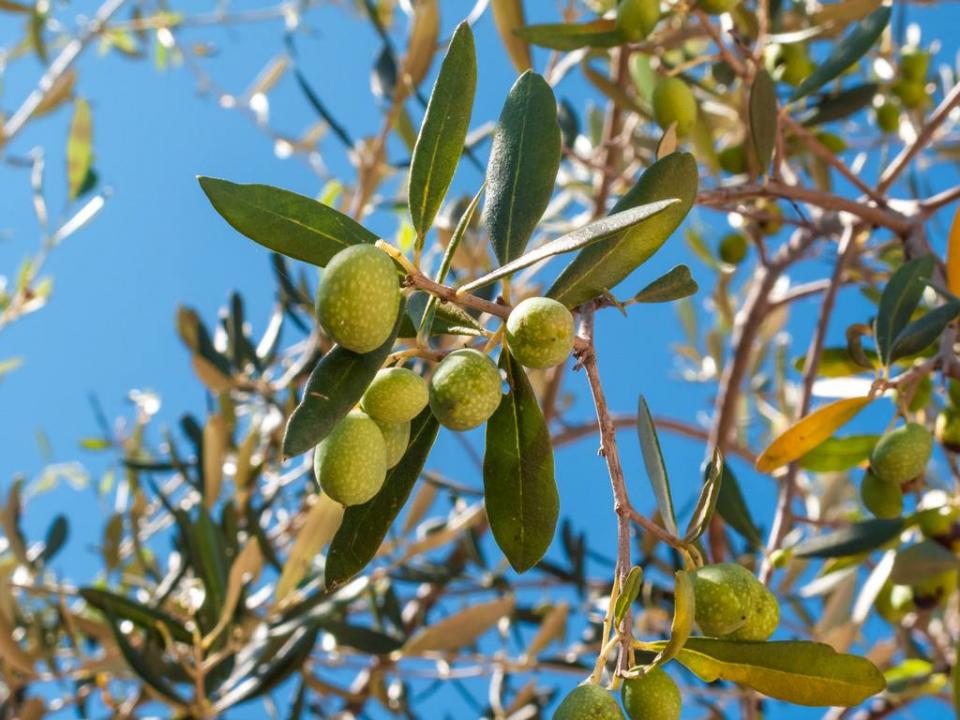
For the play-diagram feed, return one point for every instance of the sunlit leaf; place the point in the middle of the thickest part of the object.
(508, 16)
(837, 454)
(460, 629)
(851, 540)
(655, 466)
(79, 147)
(675, 284)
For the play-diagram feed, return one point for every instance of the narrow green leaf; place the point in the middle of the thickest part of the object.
(137, 662)
(852, 540)
(628, 594)
(334, 387)
(523, 165)
(733, 508)
(707, 502)
(597, 269)
(140, 615)
(921, 561)
(899, 299)
(846, 51)
(675, 284)
(799, 672)
(285, 222)
(656, 469)
(837, 454)
(923, 331)
(56, 538)
(444, 130)
(365, 526)
(79, 147)
(598, 230)
(520, 490)
(763, 118)
(366, 640)
(209, 560)
(573, 36)
(842, 105)
(448, 319)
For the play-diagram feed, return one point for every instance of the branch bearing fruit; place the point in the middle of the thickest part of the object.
(588, 702)
(351, 462)
(540, 332)
(673, 102)
(883, 499)
(396, 437)
(465, 390)
(396, 395)
(654, 696)
(902, 454)
(359, 298)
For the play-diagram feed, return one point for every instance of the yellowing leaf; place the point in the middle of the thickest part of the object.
(508, 16)
(808, 432)
(214, 449)
(953, 255)
(553, 627)
(424, 34)
(459, 629)
(684, 609)
(245, 569)
(321, 524)
(79, 147)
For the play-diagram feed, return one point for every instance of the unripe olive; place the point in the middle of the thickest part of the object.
(888, 117)
(733, 159)
(716, 7)
(653, 696)
(935, 590)
(796, 64)
(465, 390)
(636, 18)
(396, 437)
(914, 64)
(833, 143)
(540, 332)
(894, 602)
(936, 523)
(673, 102)
(883, 499)
(723, 595)
(351, 462)
(772, 217)
(733, 248)
(395, 395)
(588, 702)
(763, 618)
(947, 429)
(912, 94)
(359, 298)
(902, 454)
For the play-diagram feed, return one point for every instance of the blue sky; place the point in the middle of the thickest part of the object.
(158, 243)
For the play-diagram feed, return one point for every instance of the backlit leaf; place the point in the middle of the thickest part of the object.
(508, 16)
(460, 629)
(854, 539)
(656, 468)
(675, 284)
(839, 453)
(79, 147)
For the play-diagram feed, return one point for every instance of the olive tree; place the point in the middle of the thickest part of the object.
(320, 565)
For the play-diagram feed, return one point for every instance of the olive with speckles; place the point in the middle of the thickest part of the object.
(724, 598)
(465, 390)
(540, 332)
(396, 437)
(351, 462)
(588, 702)
(359, 298)
(396, 395)
(653, 696)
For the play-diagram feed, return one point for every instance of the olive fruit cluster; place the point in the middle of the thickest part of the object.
(911, 86)
(731, 603)
(652, 696)
(898, 457)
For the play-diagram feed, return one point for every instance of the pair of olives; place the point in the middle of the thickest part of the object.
(898, 457)
(732, 604)
(652, 696)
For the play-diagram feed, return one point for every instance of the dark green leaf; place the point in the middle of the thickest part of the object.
(733, 508)
(140, 615)
(573, 36)
(846, 51)
(209, 561)
(763, 118)
(803, 673)
(57, 535)
(656, 469)
(707, 502)
(365, 526)
(520, 491)
(290, 224)
(444, 130)
(523, 165)
(448, 319)
(924, 331)
(676, 284)
(602, 229)
(334, 387)
(857, 538)
(899, 299)
(837, 454)
(140, 665)
(915, 563)
(842, 105)
(599, 268)
(364, 639)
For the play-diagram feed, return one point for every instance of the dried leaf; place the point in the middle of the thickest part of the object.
(460, 629)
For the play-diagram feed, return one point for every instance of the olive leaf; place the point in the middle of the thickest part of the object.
(846, 52)
(321, 524)
(364, 639)
(508, 16)
(365, 526)
(808, 432)
(837, 454)
(524, 160)
(899, 299)
(143, 616)
(656, 468)
(676, 284)
(553, 627)
(573, 36)
(628, 594)
(842, 104)
(285, 222)
(334, 387)
(924, 331)
(79, 148)
(138, 661)
(520, 490)
(854, 539)
(593, 232)
(460, 629)
(732, 507)
(597, 269)
(684, 613)
(763, 118)
(707, 501)
(444, 131)
(803, 673)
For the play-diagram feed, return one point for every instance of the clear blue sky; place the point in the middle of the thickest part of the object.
(110, 325)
